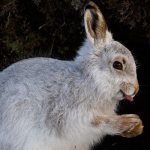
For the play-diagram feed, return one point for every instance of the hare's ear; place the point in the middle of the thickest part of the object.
(95, 25)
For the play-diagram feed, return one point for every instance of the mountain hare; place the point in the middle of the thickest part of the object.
(49, 104)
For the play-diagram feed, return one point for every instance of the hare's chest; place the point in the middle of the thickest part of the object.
(105, 108)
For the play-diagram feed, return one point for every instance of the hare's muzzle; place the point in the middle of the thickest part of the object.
(129, 90)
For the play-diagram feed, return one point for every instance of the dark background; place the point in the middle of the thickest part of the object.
(54, 28)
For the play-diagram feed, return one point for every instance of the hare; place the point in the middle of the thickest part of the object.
(49, 104)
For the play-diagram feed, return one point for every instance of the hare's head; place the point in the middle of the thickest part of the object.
(110, 63)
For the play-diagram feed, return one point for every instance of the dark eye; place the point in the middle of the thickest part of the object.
(118, 65)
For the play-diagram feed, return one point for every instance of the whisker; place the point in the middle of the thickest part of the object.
(141, 92)
(144, 85)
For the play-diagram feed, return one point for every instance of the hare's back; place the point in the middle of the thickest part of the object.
(33, 77)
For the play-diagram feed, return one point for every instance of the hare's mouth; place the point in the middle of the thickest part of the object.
(127, 97)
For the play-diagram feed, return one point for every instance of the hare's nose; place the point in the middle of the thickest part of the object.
(136, 87)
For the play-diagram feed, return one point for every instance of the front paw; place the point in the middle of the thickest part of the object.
(130, 125)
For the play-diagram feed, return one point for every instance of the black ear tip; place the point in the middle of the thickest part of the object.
(91, 5)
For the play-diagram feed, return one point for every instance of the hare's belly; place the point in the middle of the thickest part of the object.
(56, 145)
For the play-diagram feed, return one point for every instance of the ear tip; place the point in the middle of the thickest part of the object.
(91, 5)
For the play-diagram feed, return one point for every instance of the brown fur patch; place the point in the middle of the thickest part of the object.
(99, 120)
(131, 126)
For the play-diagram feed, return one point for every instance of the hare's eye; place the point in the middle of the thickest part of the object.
(118, 65)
